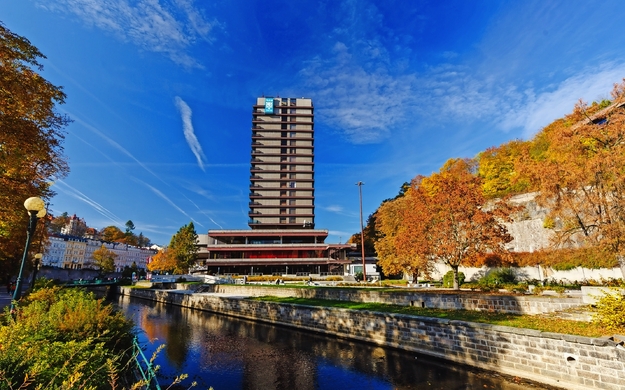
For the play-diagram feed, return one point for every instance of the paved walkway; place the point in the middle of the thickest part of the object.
(5, 300)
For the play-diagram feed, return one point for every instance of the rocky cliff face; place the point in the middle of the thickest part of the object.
(527, 229)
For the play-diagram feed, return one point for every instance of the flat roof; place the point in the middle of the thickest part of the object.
(268, 233)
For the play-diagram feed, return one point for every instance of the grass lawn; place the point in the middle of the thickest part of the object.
(545, 323)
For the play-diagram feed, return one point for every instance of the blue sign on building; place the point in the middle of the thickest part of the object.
(268, 105)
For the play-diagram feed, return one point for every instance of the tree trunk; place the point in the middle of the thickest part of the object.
(621, 262)
(456, 284)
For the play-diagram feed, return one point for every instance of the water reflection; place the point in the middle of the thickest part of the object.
(228, 353)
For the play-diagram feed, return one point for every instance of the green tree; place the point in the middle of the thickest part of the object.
(143, 241)
(183, 248)
(104, 259)
(130, 226)
(31, 137)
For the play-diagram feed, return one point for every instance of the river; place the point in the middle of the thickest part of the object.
(231, 354)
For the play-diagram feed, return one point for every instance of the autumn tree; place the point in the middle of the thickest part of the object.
(395, 253)
(57, 223)
(104, 259)
(112, 234)
(581, 172)
(370, 230)
(163, 261)
(31, 136)
(501, 169)
(448, 218)
(183, 248)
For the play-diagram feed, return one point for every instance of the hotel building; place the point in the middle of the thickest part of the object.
(283, 239)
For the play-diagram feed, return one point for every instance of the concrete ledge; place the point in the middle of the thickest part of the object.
(551, 358)
(463, 300)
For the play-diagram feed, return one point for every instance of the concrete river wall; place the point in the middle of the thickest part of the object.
(567, 361)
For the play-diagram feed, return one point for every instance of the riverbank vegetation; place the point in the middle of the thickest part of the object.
(180, 255)
(573, 169)
(64, 339)
(543, 323)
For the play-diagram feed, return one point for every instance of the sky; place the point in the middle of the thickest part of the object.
(161, 92)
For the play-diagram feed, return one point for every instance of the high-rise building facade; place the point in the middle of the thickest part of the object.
(282, 172)
(282, 239)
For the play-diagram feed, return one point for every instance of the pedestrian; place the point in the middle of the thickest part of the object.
(9, 287)
(12, 288)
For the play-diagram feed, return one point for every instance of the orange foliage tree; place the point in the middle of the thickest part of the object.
(394, 249)
(31, 137)
(448, 218)
(163, 261)
(581, 174)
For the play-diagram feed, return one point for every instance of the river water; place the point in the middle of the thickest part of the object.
(228, 353)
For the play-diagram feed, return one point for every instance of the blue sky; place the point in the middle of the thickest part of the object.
(160, 92)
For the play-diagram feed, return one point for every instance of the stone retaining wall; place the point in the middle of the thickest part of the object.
(516, 304)
(560, 360)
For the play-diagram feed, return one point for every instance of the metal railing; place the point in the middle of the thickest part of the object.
(145, 368)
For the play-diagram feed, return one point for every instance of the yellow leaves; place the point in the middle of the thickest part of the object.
(162, 261)
(104, 259)
(30, 137)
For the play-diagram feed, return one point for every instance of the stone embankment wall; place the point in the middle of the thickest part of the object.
(516, 304)
(559, 360)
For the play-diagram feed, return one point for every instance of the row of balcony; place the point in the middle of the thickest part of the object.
(257, 205)
(256, 195)
(284, 144)
(298, 131)
(278, 154)
(269, 179)
(283, 161)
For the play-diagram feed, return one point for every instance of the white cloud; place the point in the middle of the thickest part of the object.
(153, 25)
(533, 110)
(73, 192)
(363, 102)
(165, 198)
(334, 209)
(113, 143)
(189, 134)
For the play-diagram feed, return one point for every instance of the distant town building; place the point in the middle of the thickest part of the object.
(74, 227)
(72, 252)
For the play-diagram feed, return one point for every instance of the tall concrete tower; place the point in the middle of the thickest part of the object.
(282, 172)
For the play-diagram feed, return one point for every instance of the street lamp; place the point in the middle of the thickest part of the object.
(362, 233)
(36, 209)
(38, 257)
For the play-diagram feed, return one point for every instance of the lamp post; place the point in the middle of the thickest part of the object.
(36, 209)
(38, 257)
(362, 234)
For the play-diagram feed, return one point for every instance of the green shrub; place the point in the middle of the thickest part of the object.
(497, 278)
(448, 279)
(63, 339)
(611, 311)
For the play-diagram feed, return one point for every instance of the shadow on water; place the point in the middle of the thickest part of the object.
(229, 353)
